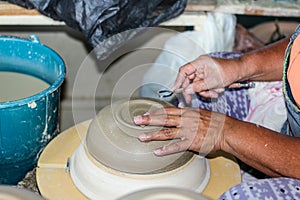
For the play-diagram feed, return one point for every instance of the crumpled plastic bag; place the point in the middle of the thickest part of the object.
(99, 20)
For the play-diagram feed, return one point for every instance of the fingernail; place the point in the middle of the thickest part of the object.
(142, 137)
(181, 105)
(138, 119)
(147, 113)
(158, 152)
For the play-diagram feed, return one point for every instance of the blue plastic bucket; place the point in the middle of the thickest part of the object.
(28, 124)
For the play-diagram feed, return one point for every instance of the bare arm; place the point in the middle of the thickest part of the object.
(205, 131)
(205, 75)
(264, 64)
(273, 153)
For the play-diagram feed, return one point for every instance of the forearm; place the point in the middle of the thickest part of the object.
(265, 64)
(270, 152)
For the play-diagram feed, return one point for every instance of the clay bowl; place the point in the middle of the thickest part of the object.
(112, 139)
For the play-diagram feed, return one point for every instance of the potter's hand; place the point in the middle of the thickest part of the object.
(198, 130)
(206, 76)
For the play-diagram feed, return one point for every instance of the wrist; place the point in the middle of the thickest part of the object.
(226, 134)
(250, 70)
(234, 70)
(244, 69)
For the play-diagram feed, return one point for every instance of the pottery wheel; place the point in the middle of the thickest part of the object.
(113, 157)
(54, 180)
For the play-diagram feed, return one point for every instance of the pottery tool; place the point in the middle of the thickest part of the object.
(242, 85)
(167, 93)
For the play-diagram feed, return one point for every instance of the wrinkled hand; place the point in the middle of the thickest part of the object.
(206, 76)
(198, 130)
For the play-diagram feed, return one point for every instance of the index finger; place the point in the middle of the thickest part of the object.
(184, 71)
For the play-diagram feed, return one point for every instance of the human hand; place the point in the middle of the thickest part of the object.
(206, 76)
(197, 130)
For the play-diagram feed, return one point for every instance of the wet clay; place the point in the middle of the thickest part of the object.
(15, 86)
(112, 140)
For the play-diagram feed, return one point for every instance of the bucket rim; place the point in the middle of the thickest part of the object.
(52, 87)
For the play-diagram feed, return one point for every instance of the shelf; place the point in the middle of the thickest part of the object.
(194, 14)
(279, 8)
(11, 14)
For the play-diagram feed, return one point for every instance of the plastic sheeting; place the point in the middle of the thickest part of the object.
(99, 20)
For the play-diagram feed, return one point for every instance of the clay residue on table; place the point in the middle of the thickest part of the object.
(29, 182)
